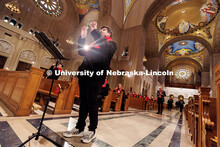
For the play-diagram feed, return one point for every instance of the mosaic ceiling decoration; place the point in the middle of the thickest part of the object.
(127, 7)
(184, 48)
(53, 8)
(85, 6)
(168, 20)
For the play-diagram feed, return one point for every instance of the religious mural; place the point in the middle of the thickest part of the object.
(127, 7)
(185, 48)
(208, 12)
(85, 6)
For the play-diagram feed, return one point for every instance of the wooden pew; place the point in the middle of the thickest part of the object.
(196, 122)
(19, 88)
(137, 103)
(117, 99)
(207, 118)
(107, 102)
(217, 80)
(190, 116)
(64, 100)
(127, 102)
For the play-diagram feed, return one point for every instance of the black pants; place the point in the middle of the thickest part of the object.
(145, 106)
(160, 106)
(89, 90)
(169, 107)
(181, 108)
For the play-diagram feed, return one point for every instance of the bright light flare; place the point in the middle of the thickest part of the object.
(86, 47)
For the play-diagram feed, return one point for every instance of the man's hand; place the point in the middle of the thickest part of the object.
(83, 32)
(93, 26)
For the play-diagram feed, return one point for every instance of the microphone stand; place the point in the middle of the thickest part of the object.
(36, 135)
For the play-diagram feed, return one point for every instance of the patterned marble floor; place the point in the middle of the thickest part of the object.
(121, 129)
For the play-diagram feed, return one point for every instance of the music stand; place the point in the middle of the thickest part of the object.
(57, 55)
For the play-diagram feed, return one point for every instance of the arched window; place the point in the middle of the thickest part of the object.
(13, 22)
(6, 19)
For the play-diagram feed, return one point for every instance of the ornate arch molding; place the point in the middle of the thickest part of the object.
(6, 47)
(46, 62)
(216, 39)
(155, 7)
(188, 37)
(28, 55)
(195, 63)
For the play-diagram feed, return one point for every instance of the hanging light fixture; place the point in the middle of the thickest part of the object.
(13, 6)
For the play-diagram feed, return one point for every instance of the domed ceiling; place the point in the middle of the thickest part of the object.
(186, 16)
(84, 6)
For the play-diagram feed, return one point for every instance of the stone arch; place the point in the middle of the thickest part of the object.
(46, 62)
(6, 48)
(196, 63)
(28, 56)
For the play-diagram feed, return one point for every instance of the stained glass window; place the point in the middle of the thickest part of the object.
(51, 7)
(182, 74)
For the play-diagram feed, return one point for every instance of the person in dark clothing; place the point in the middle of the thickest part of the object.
(103, 92)
(119, 89)
(170, 103)
(177, 105)
(52, 71)
(97, 57)
(160, 100)
(181, 104)
(146, 100)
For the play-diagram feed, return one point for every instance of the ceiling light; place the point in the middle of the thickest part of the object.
(69, 42)
(13, 6)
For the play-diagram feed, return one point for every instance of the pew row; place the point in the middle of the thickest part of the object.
(217, 81)
(64, 99)
(202, 120)
(137, 103)
(19, 88)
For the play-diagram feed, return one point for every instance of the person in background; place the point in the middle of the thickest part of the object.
(181, 104)
(152, 97)
(119, 89)
(54, 69)
(177, 105)
(160, 100)
(103, 92)
(170, 103)
(146, 100)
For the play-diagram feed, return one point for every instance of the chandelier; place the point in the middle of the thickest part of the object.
(13, 6)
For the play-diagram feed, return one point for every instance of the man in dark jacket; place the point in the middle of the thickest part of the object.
(160, 100)
(98, 56)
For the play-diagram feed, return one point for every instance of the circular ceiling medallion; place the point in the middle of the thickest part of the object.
(53, 8)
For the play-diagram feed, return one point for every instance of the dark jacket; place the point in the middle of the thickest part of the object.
(162, 95)
(104, 90)
(98, 56)
(53, 76)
